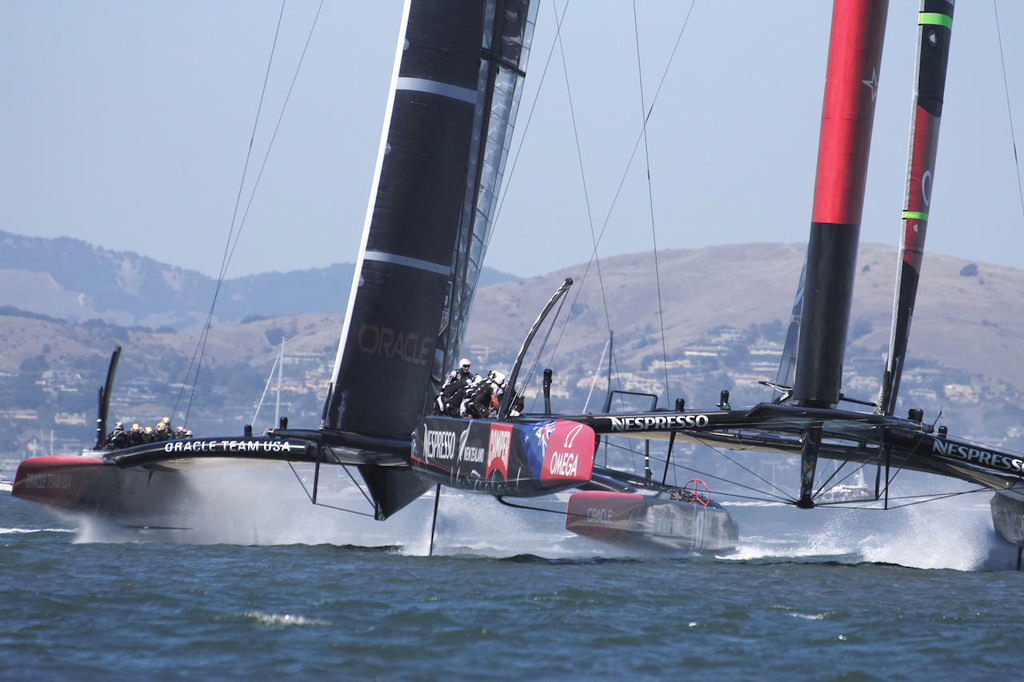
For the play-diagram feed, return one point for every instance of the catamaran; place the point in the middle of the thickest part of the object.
(454, 96)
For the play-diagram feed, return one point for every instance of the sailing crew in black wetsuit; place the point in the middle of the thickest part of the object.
(484, 397)
(118, 438)
(453, 390)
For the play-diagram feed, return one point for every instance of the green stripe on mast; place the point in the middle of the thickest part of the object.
(935, 19)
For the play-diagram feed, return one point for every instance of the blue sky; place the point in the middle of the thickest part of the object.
(127, 124)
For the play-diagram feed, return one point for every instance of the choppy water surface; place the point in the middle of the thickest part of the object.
(815, 598)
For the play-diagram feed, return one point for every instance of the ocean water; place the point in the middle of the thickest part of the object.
(822, 595)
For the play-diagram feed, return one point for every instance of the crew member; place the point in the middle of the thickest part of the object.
(453, 390)
(135, 436)
(484, 397)
(117, 438)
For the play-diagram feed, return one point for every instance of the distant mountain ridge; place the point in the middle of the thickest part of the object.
(71, 279)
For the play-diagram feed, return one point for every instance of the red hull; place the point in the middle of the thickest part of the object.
(656, 520)
(62, 482)
(604, 515)
(90, 484)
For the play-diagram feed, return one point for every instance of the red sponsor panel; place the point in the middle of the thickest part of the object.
(603, 515)
(498, 444)
(568, 453)
(57, 481)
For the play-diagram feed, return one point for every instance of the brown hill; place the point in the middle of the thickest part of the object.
(967, 316)
(726, 309)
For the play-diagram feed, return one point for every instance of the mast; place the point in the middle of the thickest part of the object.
(280, 370)
(851, 85)
(936, 22)
(455, 92)
(104, 400)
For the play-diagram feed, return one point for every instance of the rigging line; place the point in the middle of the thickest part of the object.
(229, 253)
(515, 159)
(309, 495)
(661, 83)
(650, 110)
(928, 497)
(597, 372)
(720, 452)
(302, 483)
(594, 260)
(277, 128)
(650, 200)
(529, 117)
(616, 377)
(576, 295)
(633, 448)
(616, 372)
(583, 174)
(342, 509)
(781, 495)
(1009, 109)
(671, 57)
(266, 387)
(917, 499)
(833, 479)
(200, 351)
(677, 466)
(356, 484)
(625, 173)
(236, 224)
(769, 500)
(936, 498)
(904, 458)
(590, 220)
(579, 155)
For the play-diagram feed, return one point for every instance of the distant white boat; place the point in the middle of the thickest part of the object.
(854, 491)
(846, 493)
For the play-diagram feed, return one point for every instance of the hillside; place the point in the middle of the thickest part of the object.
(726, 309)
(72, 280)
(966, 317)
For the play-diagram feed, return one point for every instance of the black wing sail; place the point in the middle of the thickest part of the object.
(787, 364)
(452, 105)
(936, 22)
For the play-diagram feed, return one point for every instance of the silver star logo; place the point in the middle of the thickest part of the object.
(873, 83)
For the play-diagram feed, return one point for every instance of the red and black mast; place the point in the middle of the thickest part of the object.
(936, 22)
(851, 86)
